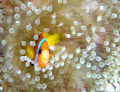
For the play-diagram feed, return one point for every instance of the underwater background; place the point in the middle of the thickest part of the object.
(85, 58)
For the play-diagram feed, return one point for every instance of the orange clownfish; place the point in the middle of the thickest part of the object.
(41, 51)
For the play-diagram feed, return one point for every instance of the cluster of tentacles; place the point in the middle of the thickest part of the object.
(86, 59)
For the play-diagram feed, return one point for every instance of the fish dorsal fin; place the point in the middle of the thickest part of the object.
(47, 34)
(53, 39)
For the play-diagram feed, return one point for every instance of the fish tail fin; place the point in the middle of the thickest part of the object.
(29, 51)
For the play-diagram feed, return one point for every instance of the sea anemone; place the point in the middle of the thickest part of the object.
(84, 59)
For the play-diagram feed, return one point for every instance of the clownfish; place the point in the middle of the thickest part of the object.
(41, 52)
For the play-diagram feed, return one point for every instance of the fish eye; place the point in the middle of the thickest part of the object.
(40, 51)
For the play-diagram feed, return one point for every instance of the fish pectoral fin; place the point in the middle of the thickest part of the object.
(53, 39)
(53, 53)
